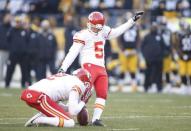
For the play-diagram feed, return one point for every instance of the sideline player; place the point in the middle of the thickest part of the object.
(184, 52)
(90, 44)
(45, 94)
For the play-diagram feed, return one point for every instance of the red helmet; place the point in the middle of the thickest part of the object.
(96, 20)
(83, 75)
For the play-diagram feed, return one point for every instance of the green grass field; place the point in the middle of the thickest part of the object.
(123, 112)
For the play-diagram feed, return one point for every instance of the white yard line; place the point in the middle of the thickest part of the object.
(6, 94)
(144, 100)
(15, 118)
(127, 129)
(137, 116)
(13, 106)
(7, 123)
(181, 107)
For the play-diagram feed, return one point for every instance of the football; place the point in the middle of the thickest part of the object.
(83, 117)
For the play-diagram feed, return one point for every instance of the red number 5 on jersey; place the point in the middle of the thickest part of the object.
(99, 49)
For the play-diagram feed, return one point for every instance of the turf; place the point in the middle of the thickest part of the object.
(123, 112)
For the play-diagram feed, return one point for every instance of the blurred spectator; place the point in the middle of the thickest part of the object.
(128, 4)
(79, 7)
(159, 11)
(32, 54)
(152, 49)
(4, 5)
(128, 56)
(17, 38)
(183, 6)
(15, 5)
(171, 5)
(167, 61)
(184, 52)
(107, 4)
(4, 46)
(65, 5)
(44, 6)
(92, 5)
(47, 51)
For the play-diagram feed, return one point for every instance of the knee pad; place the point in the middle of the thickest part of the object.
(30, 96)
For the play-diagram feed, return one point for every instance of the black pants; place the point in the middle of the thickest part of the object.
(41, 68)
(51, 65)
(153, 74)
(33, 65)
(22, 60)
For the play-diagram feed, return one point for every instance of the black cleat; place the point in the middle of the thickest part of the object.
(98, 123)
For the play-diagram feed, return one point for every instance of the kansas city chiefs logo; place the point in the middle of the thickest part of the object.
(29, 95)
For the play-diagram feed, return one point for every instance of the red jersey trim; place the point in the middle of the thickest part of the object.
(79, 41)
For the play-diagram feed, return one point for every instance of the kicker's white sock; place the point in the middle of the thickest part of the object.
(55, 121)
(98, 108)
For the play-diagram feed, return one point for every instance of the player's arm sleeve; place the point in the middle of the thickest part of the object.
(115, 32)
(74, 105)
(72, 54)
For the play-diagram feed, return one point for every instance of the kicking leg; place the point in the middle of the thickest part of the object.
(101, 88)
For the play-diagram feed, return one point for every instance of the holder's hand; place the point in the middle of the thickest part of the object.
(61, 70)
(87, 94)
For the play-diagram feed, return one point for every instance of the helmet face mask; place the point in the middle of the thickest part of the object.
(94, 28)
(96, 22)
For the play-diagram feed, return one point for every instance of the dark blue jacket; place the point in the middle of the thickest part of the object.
(153, 47)
(17, 39)
(3, 37)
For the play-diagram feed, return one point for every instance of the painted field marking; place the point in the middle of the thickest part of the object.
(7, 123)
(6, 94)
(144, 100)
(137, 116)
(14, 118)
(127, 129)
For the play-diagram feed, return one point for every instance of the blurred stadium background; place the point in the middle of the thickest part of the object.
(36, 35)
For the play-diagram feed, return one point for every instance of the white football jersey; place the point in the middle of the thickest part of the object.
(58, 86)
(93, 49)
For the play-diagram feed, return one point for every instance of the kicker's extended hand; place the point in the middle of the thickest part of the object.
(61, 70)
(87, 94)
(138, 15)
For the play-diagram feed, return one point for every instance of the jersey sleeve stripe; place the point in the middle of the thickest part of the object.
(79, 41)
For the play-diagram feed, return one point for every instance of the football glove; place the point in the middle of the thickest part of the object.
(138, 15)
(87, 94)
(61, 70)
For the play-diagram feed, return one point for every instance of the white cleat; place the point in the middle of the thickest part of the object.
(30, 122)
